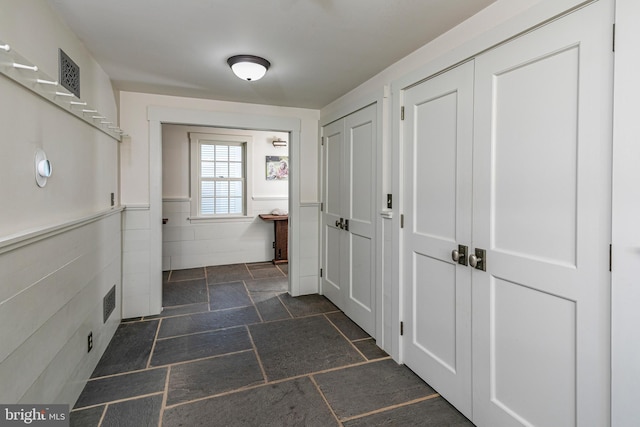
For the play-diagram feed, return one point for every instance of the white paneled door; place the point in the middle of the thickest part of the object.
(348, 219)
(527, 182)
(333, 153)
(437, 177)
(542, 203)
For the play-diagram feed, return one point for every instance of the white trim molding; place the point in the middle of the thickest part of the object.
(269, 198)
(15, 241)
(137, 207)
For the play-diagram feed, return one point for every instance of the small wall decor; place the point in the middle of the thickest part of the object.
(69, 74)
(277, 168)
(43, 168)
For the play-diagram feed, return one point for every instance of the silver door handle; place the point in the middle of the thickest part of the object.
(474, 260)
(478, 260)
(460, 255)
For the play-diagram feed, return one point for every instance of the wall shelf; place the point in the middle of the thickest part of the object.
(22, 71)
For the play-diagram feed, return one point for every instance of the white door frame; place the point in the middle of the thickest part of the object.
(625, 290)
(159, 115)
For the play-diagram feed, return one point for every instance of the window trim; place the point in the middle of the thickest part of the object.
(195, 140)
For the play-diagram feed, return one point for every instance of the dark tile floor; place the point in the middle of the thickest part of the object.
(232, 348)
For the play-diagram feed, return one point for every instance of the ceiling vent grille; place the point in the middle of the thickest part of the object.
(69, 74)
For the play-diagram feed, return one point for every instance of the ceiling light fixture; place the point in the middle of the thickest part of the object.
(248, 67)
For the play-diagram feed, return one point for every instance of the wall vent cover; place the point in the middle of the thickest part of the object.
(69, 74)
(109, 303)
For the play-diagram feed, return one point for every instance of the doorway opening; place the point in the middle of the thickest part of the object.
(222, 190)
(159, 116)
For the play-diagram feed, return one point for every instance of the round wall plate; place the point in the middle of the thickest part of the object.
(42, 168)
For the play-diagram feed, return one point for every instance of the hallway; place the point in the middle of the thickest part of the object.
(232, 348)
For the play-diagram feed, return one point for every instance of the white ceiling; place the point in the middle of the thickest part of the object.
(319, 49)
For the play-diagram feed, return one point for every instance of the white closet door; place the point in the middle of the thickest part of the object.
(542, 202)
(360, 211)
(437, 131)
(333, 153)
(349, 215)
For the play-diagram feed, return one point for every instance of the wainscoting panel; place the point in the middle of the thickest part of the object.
(199, 243)
(51, 302)
(135, 262)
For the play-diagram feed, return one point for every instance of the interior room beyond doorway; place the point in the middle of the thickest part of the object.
(194, 237)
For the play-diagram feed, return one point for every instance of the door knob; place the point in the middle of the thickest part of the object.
(478, 259)
(460, 255)
(474, 260)
(340, 224)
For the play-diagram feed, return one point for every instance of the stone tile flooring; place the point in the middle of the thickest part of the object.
(232, 348)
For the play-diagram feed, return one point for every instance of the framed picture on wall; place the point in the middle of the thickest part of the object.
(277, 168)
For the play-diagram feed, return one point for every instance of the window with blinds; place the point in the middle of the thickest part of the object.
(222, 179)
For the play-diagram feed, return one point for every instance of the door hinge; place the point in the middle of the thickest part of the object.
(320, 272)
(402, 113)
(610, 257)
(401, 328)
(321, 206)
(613, 47)
(401, 220)
(322, 140)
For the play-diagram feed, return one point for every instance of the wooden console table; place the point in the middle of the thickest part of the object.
(281, 235)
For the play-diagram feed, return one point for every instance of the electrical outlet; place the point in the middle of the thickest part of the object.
(89, 342)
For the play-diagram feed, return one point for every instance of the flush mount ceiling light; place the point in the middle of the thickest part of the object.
(248, 67)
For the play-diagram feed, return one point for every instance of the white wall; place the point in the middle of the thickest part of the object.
(188, 244)
(141, 281)
(34, 30)
(59, 245)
